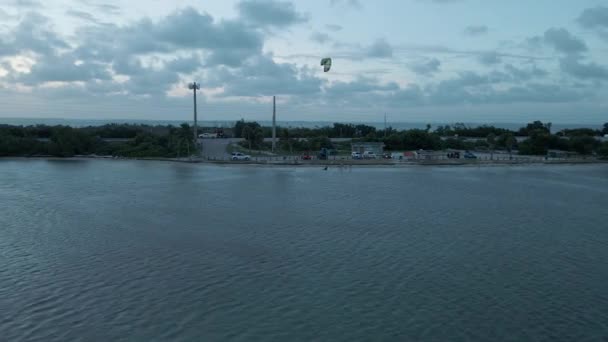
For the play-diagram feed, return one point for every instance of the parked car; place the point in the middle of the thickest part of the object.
(469, 155)
(387, 156)
(454, 155)
(369, 155)
(240, 156)
(355, 155)
(207, 136)
(306, 156)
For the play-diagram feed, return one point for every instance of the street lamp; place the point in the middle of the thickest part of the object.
(194, 87)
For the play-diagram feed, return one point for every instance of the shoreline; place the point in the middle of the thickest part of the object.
(334, 163)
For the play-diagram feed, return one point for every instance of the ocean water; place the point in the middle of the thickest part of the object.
(105, 250)
(230, 123)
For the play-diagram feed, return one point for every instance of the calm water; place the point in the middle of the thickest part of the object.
(149, 251)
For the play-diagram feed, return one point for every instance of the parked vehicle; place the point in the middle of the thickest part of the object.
(240, 156)
(306, 156)
(369, 155)
(387, 156)
(454, 155)
(207, 136)
(469, 155)
(355, 155)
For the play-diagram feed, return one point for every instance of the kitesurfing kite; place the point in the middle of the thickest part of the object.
(326, 64)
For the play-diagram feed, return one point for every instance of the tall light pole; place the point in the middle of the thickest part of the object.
(274, 123)
(194, 87)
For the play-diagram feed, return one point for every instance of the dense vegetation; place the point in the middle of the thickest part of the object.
(64, 141)
(539, 139)
(170, 141)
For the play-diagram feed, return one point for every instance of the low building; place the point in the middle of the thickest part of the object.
(561, 154)
(429, 155)
(362, 147)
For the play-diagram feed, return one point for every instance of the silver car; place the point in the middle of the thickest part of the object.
(240, 156)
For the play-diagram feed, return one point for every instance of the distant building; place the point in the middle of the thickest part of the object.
(429, 155)
(561, 154)
(362, 147)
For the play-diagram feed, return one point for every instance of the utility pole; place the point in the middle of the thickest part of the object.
(194, 87)
(274, 123)
(385, 125)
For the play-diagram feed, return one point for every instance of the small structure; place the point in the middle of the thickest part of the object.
(430, 155)
(561, 154)
(362, 147)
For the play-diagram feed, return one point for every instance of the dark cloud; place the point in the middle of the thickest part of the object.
(563, 41)
(270, 13)
(594, 18)
(427, 67)
(525, 74)
(473, 88)
(320, 37)
(228, 42)
(531, 93)
(333, 27)
(261, 76)
(103, 48)
(411, 95)
(489, 58)
(590, 71)
(185, 65)
(360, 85)
(379, 49)
(63, 68)
(476, 30)
(33, 33)
(533, 43)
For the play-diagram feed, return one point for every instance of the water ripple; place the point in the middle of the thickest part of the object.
(130, 251)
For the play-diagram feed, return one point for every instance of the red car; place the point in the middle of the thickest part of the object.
(306, 157)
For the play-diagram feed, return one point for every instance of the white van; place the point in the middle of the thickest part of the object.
(207, 136)
(369, 155)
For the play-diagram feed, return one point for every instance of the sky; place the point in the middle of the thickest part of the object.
(411, 60)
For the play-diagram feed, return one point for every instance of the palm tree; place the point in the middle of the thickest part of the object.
(491, 139)
(246, 133)
(184, 134)
(510, 142)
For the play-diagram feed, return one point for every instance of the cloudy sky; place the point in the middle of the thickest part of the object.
(414, 60)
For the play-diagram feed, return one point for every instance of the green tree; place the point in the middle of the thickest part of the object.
(584, 144)
(247, 134)
(415, 139)
(536, 144)
(603, 150)
(454, 143)
(535, 127)
(510, 142)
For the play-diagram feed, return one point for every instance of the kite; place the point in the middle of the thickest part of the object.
(326, 64)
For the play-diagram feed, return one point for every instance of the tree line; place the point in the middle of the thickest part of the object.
(66, 141)
(171, 141)
(539, 138)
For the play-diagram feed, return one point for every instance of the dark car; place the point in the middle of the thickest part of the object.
(469, 155)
